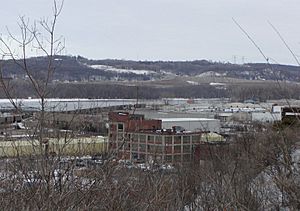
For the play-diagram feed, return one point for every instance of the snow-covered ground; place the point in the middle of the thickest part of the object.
(118, 70)
(217, 84)
(192, 82)
(211, 73)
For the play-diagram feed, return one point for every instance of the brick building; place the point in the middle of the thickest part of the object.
(135, 138)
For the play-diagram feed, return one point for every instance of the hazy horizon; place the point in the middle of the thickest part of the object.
(168, 30)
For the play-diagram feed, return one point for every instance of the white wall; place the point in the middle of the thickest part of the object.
(266, 116)
(212, 125)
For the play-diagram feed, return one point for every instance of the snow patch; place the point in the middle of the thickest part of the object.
(211, 73)
(192, 82)
(217, 84)
(118, 70)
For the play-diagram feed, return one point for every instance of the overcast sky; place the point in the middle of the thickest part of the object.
(168, 29)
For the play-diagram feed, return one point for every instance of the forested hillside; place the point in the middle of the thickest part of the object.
(78, 68)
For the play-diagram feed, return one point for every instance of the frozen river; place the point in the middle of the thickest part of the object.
(69, 104)
(53, 104)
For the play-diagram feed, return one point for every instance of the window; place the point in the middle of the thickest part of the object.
(121, 127)
(142, 138)
(168, 158)
(177, 158)
(155, 149)
(168, 140)
(196, 138)
(135, 155)
(158, 139)
(186, 139)
(135, 136)
(150, 139)
(142, 147)
(186, 149)
(186, 158)
(134, 147)
(177, 139)
(177, 149)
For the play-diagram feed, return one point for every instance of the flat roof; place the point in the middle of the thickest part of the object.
(168, 132)
(185, 119)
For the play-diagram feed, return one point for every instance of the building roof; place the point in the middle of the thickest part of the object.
(185, 119)
(168, 132)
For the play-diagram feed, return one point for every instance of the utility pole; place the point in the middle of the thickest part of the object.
(234, 59)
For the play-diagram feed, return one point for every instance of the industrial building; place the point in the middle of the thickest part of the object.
(135, 138)
(21, 146)
(9, 118)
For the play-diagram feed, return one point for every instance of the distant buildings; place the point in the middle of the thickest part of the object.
(9, 118)
(290, 112)
(244, 113)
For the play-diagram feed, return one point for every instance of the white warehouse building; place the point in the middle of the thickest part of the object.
(266, 116)
(192, 124)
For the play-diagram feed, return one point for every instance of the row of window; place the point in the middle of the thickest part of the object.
(165, 158)
(158, 148)
(168, 139)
